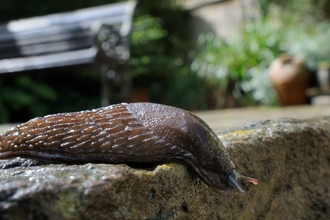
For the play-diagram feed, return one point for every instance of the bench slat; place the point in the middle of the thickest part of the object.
(7, 35)
(60, 32)
(66, 18)
(48, 61)
(55, 47)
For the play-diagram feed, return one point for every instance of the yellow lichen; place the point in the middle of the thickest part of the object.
(238, 133)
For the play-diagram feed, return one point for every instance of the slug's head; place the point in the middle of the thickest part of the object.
(213, 165)
(228, 181)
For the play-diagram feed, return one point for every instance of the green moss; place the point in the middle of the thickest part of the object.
(69, 205)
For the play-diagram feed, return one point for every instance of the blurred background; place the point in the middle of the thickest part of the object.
(193, 54)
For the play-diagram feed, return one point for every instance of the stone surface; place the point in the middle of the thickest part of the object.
(290, 157)
(220, 120)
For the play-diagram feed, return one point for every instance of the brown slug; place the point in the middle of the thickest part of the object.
(126, 133)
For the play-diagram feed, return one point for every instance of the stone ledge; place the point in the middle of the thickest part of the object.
(290, 158)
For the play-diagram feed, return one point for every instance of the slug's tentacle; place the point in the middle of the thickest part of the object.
(126, 133)
(248, 179)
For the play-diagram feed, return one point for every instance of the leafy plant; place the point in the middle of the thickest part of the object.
(240, 66)
(310, 41)
(154, 67)
(147, 50)
(232, 65)
(25, 97)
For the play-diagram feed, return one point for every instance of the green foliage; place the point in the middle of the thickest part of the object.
(154, 67)
(311, 42)
(27, 95)
(245, 59)
(319, 9)
(183, 88)
(147, 50)
(23, 97)
(239, 61)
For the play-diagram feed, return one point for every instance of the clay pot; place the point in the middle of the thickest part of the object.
(290, 78)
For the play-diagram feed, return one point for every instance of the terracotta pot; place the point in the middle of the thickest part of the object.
(290, 78)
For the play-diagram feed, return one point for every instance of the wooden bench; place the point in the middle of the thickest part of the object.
(97, 35)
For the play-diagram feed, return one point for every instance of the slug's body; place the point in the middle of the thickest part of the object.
(126, 133)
